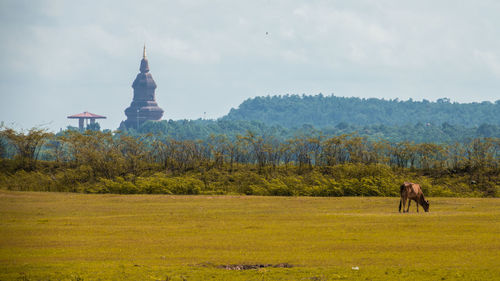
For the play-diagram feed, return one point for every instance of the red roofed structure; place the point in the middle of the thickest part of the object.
(84, 116)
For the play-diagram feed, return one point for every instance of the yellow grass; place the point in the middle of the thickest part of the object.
(61, 236)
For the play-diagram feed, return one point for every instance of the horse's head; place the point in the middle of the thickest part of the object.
(425, 204)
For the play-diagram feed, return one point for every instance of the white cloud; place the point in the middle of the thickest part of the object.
(217, 53)
(490, 60)
(184, 51)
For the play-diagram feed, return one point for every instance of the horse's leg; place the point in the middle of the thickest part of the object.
(409, 202)
(417, 205)
(404, 204)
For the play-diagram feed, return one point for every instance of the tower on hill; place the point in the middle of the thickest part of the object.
(143, 106)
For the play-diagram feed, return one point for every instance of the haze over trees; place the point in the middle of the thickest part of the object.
(288, 116)
(328, 111)
(418, 133)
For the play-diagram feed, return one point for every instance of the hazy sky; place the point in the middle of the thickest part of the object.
(64, 57)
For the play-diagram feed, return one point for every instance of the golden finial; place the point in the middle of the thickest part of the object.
(144, 52)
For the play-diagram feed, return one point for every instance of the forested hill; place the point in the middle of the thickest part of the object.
(329, 111)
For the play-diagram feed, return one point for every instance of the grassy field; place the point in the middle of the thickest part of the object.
(60, 236)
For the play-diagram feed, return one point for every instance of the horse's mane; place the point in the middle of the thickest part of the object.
(422, 198)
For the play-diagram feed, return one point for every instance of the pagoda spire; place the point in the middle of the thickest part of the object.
(144, 62)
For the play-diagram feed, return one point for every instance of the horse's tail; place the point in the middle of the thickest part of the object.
(401, 189)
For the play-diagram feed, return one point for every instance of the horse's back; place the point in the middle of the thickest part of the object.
(412, 190)
(416, 189)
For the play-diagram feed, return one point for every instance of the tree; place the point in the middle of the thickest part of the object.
(259, 147)
(27, 145)
(94, 126)
(218, 147)
(3, 147)
(135, 152)
(97, 150)
(403, 153)
(334, 150)
(488, 130)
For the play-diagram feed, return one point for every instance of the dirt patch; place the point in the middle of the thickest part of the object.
(253, 266)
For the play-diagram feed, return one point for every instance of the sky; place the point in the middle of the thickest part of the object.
(60, 58)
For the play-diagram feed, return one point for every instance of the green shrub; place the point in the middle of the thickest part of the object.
(278, 188)
(184, 185)
(118, 185)
(156, 184)
(29, 181)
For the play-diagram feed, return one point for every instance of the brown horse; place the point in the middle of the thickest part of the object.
(412, 191)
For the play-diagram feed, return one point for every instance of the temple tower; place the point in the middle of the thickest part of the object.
(143, 106)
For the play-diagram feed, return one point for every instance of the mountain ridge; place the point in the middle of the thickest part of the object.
(328, 111)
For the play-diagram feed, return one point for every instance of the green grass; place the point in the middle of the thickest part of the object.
(61, 236)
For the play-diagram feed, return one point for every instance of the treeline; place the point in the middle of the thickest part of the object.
(106, 162)
(418, 132)
(328, 111)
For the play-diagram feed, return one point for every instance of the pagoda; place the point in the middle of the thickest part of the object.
(143, 106)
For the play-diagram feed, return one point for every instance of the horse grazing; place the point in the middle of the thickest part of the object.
(412, 191)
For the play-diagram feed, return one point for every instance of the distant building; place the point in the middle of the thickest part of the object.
(84, 117)
(143, 106)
